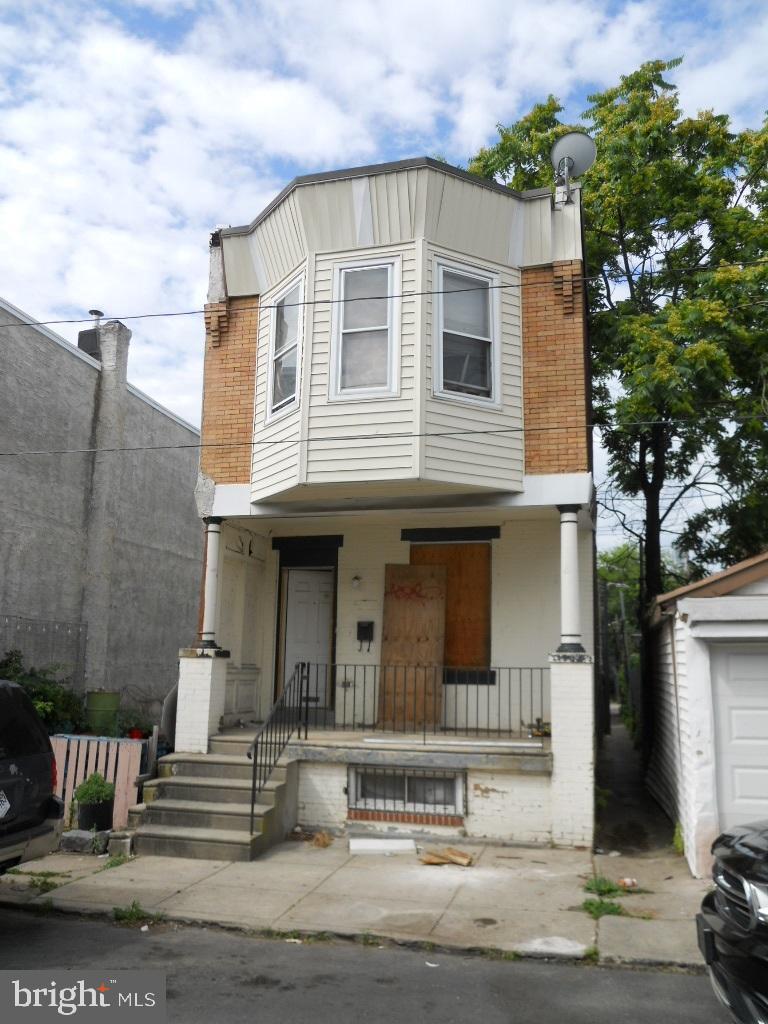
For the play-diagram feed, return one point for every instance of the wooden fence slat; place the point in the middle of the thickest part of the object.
(118, 760)
(126, 791)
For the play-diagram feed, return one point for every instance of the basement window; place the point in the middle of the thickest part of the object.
(421, 791)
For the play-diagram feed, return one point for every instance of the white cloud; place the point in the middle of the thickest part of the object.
(130, 130)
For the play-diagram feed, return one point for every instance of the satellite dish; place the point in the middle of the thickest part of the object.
(571, 156)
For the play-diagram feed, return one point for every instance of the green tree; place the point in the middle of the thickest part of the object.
(676, 224)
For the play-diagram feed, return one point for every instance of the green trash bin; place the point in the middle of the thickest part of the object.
(101, 707)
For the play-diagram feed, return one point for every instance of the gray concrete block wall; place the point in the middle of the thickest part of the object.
(49, 518)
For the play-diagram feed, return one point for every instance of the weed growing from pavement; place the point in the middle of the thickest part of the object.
(135, 914)
(603, 908)
(592, 955)
(601, 886)
(116, 861)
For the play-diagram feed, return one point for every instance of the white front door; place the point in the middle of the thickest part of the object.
(308, 625)
(740, 694)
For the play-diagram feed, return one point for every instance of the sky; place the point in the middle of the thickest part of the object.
(129, 131)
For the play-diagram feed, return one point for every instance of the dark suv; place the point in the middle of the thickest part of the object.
(733, 923)
(30, 813)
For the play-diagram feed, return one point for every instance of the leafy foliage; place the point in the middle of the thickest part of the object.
(59, 707)
(679, 333)
(95, 790)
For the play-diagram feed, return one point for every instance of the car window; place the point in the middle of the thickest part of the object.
(20, 730)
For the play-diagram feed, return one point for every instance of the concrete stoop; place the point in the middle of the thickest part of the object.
(200, 805)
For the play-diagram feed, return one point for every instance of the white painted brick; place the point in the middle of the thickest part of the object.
(200, 704)
(573, 753)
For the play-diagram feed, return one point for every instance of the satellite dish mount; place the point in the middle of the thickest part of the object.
(572, 155)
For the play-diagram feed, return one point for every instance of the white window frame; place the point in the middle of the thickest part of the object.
(392, 264)
(356, 802)
(440, 266)
(293, 404)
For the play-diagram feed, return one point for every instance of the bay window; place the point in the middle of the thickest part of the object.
(466, 334)
(364, 358)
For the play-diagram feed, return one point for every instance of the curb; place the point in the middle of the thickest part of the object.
(361, 938)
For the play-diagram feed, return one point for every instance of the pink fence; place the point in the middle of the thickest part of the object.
(118, 760)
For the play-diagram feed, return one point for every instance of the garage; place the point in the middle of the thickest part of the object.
(740, 700)
(708, 764)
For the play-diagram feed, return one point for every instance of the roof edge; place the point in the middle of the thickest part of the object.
(720, 583)
(369, 170)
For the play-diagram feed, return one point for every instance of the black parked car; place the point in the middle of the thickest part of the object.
(733, 923)
(30, 812)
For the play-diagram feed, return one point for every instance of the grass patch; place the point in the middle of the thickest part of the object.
(601, 886)
(117, 861)
(677, 840)
(134, 913)
(592, 955)
(499, 954)
(369, 940)
(43, 884)
(602, 908)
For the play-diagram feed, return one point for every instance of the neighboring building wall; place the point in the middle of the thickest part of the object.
(555, 397)
(231, 327)
(138, 588)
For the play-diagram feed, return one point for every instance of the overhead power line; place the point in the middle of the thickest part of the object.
(406, 436)
(394, 295)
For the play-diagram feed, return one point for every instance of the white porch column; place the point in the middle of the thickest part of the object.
(573, 749)
(200, 699)
(570, 617)
(211, 592)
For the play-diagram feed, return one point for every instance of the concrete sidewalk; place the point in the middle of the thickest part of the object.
(513, 899)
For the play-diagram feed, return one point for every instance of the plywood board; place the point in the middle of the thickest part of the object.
(467, 599)
(413, 638)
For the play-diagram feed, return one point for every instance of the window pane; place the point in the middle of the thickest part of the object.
(284, 378)
(364, 359)
(365, 311)
(467, 312)
(466, 365)
(426, 790)
(287, 319)
(376, 786)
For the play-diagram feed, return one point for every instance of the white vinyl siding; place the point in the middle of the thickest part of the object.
(460, 444)
(395, 208)
(377, 434)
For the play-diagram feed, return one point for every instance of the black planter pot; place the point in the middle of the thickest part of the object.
(98, 816)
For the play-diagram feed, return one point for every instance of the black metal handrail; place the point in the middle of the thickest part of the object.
(289, 713)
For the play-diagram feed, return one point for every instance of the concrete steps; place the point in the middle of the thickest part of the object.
(200, 805)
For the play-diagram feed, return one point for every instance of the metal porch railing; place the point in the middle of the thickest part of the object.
(289, 713)
(428, 699)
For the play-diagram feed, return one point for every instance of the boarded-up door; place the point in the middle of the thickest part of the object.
(413, 638)
(468, 600)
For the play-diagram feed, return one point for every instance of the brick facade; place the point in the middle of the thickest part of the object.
(554, 370)
(230, 378)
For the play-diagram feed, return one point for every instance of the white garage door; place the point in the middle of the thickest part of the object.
(740, 680)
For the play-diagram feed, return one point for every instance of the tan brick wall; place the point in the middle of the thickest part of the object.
(230, 378)
(554, 373)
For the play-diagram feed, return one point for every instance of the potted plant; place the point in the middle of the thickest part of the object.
(95, 803)
(134, 724)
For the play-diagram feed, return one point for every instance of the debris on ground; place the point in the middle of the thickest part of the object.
(321, 840)
(627, 883)
(447, 856)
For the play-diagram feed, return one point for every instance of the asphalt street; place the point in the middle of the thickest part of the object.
(215, 976)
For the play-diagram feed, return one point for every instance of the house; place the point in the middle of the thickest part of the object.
(87, 529)
(709, 762)
(396, 485)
